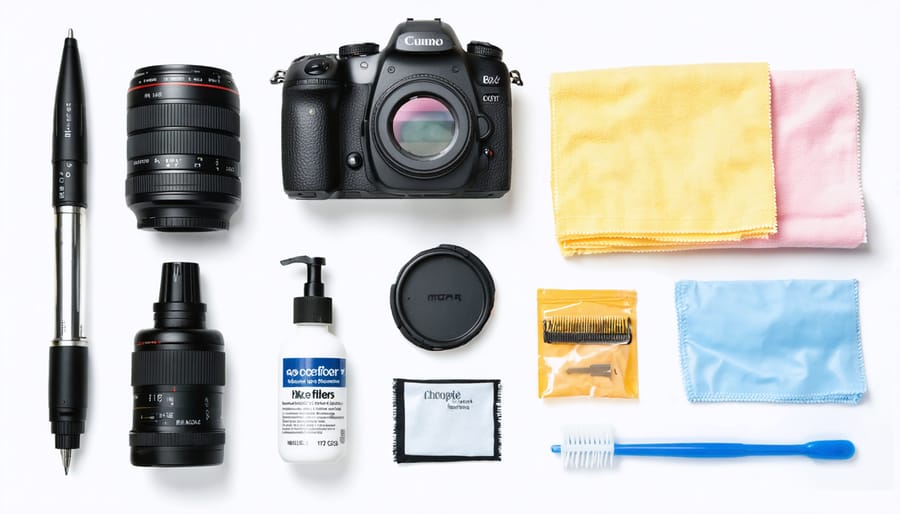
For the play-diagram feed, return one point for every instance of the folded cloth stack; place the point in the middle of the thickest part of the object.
(685, 157)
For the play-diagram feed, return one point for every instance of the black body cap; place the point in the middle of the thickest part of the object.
(442, 298)
(313, 306)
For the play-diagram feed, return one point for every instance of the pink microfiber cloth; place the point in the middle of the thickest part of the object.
(815, 125)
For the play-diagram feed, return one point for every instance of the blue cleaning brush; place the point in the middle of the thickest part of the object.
(593, 447)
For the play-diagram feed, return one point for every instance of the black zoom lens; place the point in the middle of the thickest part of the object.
(178, 376)
(184, 149)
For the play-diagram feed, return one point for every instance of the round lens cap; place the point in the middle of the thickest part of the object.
(442, 298)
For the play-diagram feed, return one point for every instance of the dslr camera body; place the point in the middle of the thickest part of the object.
(422, 118)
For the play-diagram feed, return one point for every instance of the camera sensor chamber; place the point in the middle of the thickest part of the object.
(423, 127)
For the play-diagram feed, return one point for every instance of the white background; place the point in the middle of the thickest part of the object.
(366, 243)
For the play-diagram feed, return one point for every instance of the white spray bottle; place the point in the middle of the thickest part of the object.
(312, 403)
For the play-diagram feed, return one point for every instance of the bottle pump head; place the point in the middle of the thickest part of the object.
(313, 306)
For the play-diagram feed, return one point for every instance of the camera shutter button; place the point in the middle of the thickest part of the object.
(316, 67)
(485, 127)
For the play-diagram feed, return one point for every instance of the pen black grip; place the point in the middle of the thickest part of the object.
(69, 184)
(68, 394)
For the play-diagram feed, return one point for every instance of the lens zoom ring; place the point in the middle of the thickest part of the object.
(162, 142)
(199, 116)
(157, 439)
(183, 182)
(177, 367)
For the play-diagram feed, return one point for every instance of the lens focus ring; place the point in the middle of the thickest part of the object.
(201, 116)
(160, 439)
(184, 142)
(187, 367)
(183, 182)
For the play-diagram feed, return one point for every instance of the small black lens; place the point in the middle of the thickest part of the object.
(178, 376)
(184, 148)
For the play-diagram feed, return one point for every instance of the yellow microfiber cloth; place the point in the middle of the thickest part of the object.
(661, 158)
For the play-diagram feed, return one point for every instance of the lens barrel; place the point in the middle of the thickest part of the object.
(178, 377)
(184, 148)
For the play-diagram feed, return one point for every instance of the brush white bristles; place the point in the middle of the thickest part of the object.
(587, 447)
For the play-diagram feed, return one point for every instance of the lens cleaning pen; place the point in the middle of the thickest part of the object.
(68, 351)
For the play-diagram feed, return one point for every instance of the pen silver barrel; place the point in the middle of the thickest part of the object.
(70, 276)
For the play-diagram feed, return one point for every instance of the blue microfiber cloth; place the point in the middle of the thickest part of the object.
(787, 341)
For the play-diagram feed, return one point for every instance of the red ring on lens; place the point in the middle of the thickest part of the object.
(212, 86)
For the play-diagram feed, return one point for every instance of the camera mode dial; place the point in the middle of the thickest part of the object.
(314, 71)
(482, 49)
(316, 66)
(358, 50)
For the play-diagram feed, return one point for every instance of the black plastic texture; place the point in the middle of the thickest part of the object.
(68, 394)
(309, 133)
(354, 181)
(180, 305)
(185, 142)
(483, 49)
(423, 36)
(193, 367)
(178, 376)
(313, 306)
(442, 298)
(202, 116)
(69, 132)
(495, 102)
(358, 49)
(311, 309)
(183, 148)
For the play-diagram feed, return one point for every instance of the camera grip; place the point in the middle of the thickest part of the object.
(309, 139)
(495, 102)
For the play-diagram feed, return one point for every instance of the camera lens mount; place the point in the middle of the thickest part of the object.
(423, 126)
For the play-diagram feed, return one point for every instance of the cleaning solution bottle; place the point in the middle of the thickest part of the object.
(312, 404)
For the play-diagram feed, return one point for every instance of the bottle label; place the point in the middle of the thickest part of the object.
(313, 402)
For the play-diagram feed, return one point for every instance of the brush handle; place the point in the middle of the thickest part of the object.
(831, 450)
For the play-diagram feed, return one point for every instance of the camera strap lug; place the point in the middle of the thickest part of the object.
(516, 78)
(278, 77)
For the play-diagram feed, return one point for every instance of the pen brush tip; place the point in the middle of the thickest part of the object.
(66, 455)
(71, 33)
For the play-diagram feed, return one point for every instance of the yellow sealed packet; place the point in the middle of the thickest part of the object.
(587, 343)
